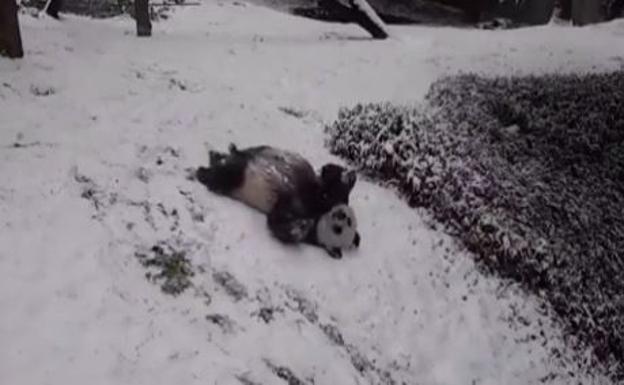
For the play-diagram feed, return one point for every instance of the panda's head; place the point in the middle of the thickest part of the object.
(336, 230)
(336, 185)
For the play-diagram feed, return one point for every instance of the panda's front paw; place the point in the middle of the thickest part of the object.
(216, 158)
(335, 253)
(300, 229)
(356, 240)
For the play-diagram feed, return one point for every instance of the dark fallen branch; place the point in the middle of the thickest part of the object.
(31, 144)
(324, 15)
(53, 7)
(358, 11)
(173, 4)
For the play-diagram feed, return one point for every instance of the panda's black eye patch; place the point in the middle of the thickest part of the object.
(337, 229)
(349, 222)
(339, 215)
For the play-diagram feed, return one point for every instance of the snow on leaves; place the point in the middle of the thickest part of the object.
(527, 172)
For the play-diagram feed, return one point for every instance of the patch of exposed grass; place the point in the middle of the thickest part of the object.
(168, 268)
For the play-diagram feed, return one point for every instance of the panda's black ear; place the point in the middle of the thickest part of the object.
(331, 172)
(348, 179)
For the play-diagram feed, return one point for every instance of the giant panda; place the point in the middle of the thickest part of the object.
(284, 186)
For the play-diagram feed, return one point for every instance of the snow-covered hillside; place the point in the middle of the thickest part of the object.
(98, 130)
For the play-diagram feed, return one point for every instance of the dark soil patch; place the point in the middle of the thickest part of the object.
(528, 173)
(227, 325)
(284, 373)
(361, 363)
(230, 284)
(304, 306)
(267, 313)
(333, 333)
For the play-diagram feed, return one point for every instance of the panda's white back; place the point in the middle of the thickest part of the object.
(257, 191)
(268, 173)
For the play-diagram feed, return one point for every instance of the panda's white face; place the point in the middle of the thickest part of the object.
(337, 230)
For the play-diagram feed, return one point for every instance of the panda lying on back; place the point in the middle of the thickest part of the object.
(300, 206)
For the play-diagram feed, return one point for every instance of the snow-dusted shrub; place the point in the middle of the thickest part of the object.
(613, 8)
(168, 267)
(528, 173)
(106, 8)
(94, 8)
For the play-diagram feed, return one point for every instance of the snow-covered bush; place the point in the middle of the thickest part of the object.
(106, 8)
(94, 8)
(527, 172)
(613, 8)
(170, 268)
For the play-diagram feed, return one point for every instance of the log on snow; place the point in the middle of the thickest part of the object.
(360, 12)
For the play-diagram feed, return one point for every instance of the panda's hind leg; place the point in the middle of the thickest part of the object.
(206, 176)
(225, 173)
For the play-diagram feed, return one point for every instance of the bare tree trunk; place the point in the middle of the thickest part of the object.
(473, 10)
(616, 10)
(586, 12)
(360, 12)
(566, 9)
(141, 14)
(10, 37)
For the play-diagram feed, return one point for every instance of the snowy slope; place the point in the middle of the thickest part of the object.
(106, 126)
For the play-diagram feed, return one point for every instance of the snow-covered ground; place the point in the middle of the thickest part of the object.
(106, 126)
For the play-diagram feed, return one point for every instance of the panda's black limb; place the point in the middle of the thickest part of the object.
(217, 158)
(293, 231)
(335, 253)
(225, 174)
(356, 240)
(286, 223)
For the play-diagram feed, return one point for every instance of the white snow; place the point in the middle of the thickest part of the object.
(76, 307)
